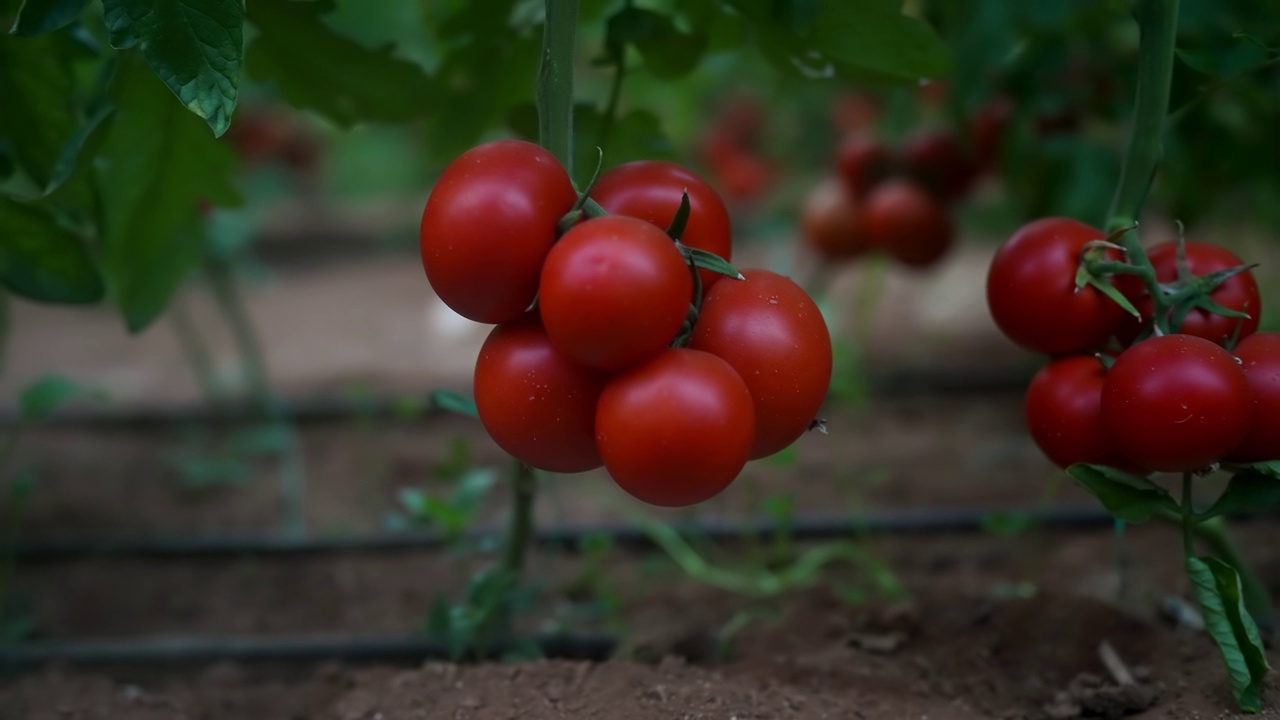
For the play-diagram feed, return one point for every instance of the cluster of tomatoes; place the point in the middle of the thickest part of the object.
(731, 150)
(897, 200)
(618, 342)
(1187, 385)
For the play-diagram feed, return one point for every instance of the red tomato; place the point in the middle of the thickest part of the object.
(938, 161)
(829, 221)
(1064, 413)
(614, 292)
(862, 161)
(743, 177)
(989, 126)
(904, 220)
(488, 225)
(854, 113)
(771, 332)
(676, 430)
(1238, 293)
(1176, 403)
(535, 404)
(1260, 356)
(1031, 290)
(651, 190)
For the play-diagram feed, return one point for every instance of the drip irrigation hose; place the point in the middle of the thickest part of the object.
(891, 385)
(170, 650)
(882, 522)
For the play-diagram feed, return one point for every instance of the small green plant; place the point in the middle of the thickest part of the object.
(455, 513)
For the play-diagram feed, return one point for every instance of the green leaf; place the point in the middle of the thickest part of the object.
(38, 17)
(472, 489)
(156, 163)
(799, 15)
(71, 158)
(41, 260)
(1130, 498)
(453, 402)
(195, 46)
(714, 263)
(315, 68)
(668, 53)
(36, 87)
(1249, 491)
(41, 398)
(1217, 588)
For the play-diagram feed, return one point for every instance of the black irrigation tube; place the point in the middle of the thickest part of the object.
(172, 650)
(904, 383)
(909, 521)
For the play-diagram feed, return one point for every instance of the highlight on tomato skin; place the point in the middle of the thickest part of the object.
(677, 430)
(489, 224)
(536, 405)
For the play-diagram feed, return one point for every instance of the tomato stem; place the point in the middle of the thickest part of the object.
(524, 487)
(555, 81)
(1158, 25)
(1188, 516)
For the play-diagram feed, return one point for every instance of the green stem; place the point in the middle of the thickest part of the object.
(555, 81)
(1257, 600)
(222, 282)
(1158, 24)
(193, 346)
(1188, 516)
(524, 487)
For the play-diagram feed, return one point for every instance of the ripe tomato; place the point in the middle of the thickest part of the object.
(535, 404)
(938, 161)
(1176, 403)
(651, 190)
(676, 430)
(862, 161)
(829, 221)
(771, 332)
(488, 225)
(1064, 413)
(1031, 290)
(1260, 356)
(903, 219)
(1238, 293)
(614, 292)
(743, 176)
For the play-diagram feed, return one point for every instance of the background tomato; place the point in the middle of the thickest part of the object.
(1031, 290)
(651, 190)
(1260, 357)
(862, 160)
(535, 404)
(1176, 403)
(771, 332)
(829, 221)
(903, 219)
(614, 292)
(938, 161)
(1064, 413)
(677, 430)
(488, 225)
(1238, 293)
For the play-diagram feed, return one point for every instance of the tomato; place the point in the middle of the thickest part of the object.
(743, 176)
(1260, 356)
(614, 292)
(1031, 290)
(771, 332)
(1176, 403)
(862, 161)
(989, 126)
(1064, 413)
(1238, 293)
(903, 219)
(535, 404)
(938, 161)
(676, 430)
(488, 225)
(829, 221)
(651, 190)
(854, 113)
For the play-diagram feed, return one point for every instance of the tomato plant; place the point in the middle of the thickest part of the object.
(1260, 357)
(1064, 413)
(488, 226)
(901, 218)
(771, 332)
(676, 430)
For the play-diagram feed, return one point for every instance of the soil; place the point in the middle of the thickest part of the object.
(1008, 623)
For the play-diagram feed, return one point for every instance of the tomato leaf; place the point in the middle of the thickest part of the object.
(195, 46)
(714, 263)
(314, 67)
(1249, 491)
(42, 397)
(38, 17)
(41, 260)
(667, 52)
(36, 84)
(675, 230)
(1131, 498)
(799, 15)
(1104, 286)
(453, 402)
(73, 150)
(1217, 589)
(156, 163)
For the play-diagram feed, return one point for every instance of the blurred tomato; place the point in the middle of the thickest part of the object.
(829, 221)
